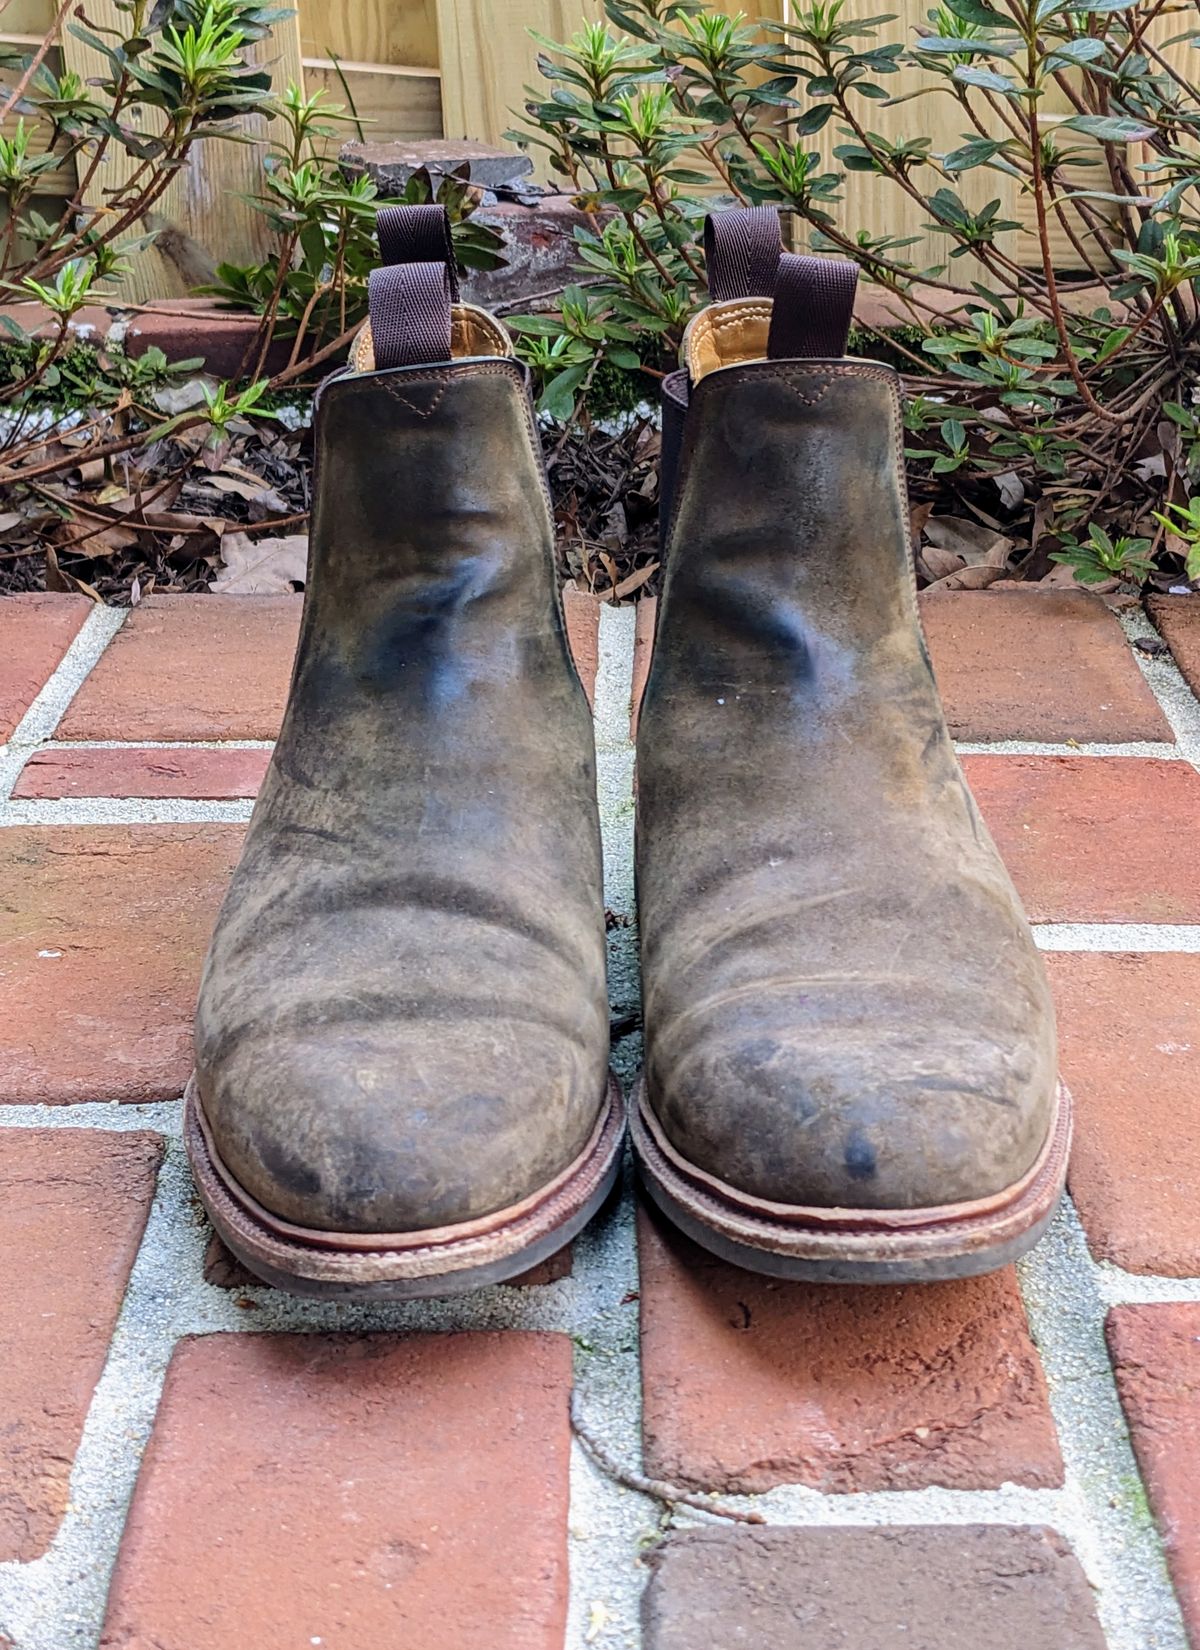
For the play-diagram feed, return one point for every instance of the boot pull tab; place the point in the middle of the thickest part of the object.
(813, 297)
(410, 297)
(742, 248)
(417, 235)
(813, 307)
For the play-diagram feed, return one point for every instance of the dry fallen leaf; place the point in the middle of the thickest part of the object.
(969, 578)
(109, 540)
(57, 579)
(634, 582)
(939, 564)
(254, 490)
(1011, 489)
(262, 567)
(973, 543)
(918, 515)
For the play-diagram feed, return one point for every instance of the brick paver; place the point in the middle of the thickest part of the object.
(990, 1586)
(643, 652)
(1094, 839)
(102, 933)
(35, 632)
(337, 1491)
(582, 613)
(1156, 1353)
(143, 771)
(748, 1381)
(191, 667)
(1178, 622)
(1129, 1040)
(73, 1204)
(1037, 665)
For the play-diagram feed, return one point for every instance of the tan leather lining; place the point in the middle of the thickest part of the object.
(724, 335)
(473, 332)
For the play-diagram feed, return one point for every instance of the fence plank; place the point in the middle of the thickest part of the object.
(487, 58)
(399, 32)
(26, 17)
(203, 212)
(390, 101)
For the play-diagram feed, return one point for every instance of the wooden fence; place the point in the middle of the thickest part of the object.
(457, 68)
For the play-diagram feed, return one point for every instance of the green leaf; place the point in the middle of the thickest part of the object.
(974, 11)
(558, 398)
(312, 243)
(1109, 128)
(812, 120)
(1104, 195)
(951, 44)
(625, 200)
(987, 78)
(538, 326)
(1085, 49)
(973, 153)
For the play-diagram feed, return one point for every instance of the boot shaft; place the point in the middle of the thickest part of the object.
(432, 552)
(791, 521)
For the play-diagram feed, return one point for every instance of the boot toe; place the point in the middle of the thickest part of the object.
(397, 1139)
(858, 1127)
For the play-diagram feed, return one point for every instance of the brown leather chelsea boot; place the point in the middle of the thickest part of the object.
(851, 1070)
(401, 1082)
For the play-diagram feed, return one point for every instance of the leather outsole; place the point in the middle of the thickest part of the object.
(826, 1245)
(450, 1260)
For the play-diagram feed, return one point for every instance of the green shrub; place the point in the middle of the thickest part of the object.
(1054, 384)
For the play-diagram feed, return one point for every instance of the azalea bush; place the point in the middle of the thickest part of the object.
(1051, 365)
(97, 447)
(117, 471)
(173, 73)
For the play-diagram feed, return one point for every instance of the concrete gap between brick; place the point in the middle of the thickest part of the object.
(108, 810)
(63, 745)
(1179, 703)
(1161, 751)
(1116, 936)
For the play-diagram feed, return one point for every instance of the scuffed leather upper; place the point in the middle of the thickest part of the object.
(843, 1003)
(403, 1019)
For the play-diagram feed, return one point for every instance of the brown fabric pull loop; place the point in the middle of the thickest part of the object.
(741, 249)
(813, 307)
(410, 314)
(417, 235)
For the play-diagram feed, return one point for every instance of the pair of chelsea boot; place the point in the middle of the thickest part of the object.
(402, 1083)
